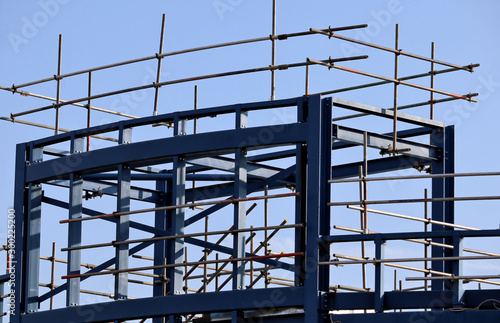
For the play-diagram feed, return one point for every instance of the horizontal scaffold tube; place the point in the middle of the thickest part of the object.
(391, 80)
(413, 218)
(189, 50)
(183, 80)
(437, 199)
(330, 33)
(426, 242)
(181, 236)
(185, 264)
(381, 261)
(393, 178)
(173, 207)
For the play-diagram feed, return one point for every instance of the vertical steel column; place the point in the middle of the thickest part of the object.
(240, 191)
(457, 286)
(33, 231)
(74, 228)
(449, 188)
(122, 224)
(159, 246)
(18, 263)
(317, 211)
(300, 200)
(1, 301)
(176, 219)
(325, 190)
(438, 208)
(379, 275)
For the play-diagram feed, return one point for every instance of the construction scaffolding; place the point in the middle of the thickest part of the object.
(178, 210)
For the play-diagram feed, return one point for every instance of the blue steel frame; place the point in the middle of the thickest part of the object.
(312, 139)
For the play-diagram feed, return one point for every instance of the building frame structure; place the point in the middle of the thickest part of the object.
(310, 140)
(236, 165)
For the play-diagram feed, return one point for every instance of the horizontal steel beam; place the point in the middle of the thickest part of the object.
(407, 300)
(385, 113)
(167, 118)
(227, 164)
(162, 150)
(378, 141)
(136, 193)
(261, 300)
(377, 166)
(408, 235)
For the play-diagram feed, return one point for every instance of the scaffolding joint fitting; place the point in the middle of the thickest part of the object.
(337, 265)
(391, 151)
(330, 32)
(95, 193)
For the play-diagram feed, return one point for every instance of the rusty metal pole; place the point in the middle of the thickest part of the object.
(158, 71)
(58, 80)
(89, 108)
(53, 272)
(432, 83)
(395, 107)
(273, 53)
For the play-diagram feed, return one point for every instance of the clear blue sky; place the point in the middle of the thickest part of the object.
(101, 32)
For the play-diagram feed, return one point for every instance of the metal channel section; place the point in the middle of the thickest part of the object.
(233, 167)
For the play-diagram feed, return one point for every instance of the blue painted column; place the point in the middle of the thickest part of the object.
(3, 280)
(457, 270)
(449, 186)
(239, 218)
(176, 218)
(123, 222)
(300, 200)
(17, 259)
(325, 191)
(1, 301)
(33, 231)
(74, 229)
(379, 275)
(438, 208)
(160, 246)
(317, 211)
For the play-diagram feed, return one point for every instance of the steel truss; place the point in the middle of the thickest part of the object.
(310, 141)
